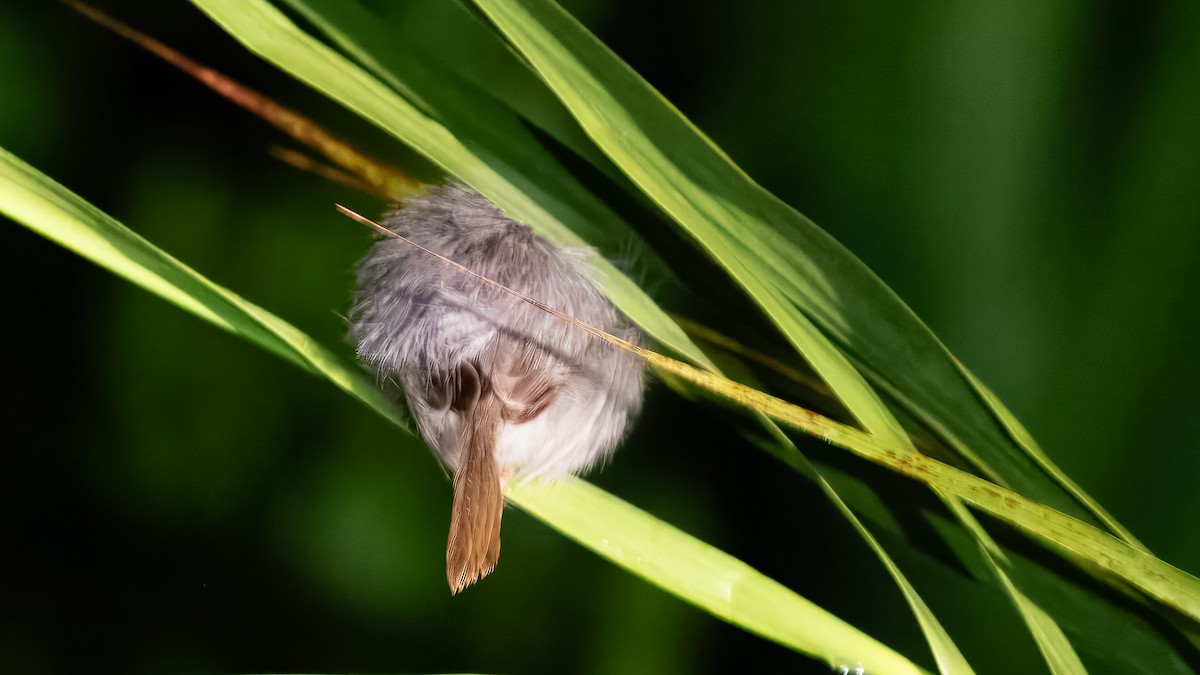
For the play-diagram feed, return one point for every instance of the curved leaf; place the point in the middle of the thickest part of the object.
(47, 208)
(945, 652)
(265, 31)
(1051, 641)
(683, 565)
(704, 576)
(779, 256)
(1080, 541)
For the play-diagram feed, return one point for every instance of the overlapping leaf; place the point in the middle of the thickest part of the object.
(558, 214)
(683, 565)
(791, 268)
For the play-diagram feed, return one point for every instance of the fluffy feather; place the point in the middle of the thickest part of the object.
(497, 386)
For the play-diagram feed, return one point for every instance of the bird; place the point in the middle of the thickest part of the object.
(500, 389)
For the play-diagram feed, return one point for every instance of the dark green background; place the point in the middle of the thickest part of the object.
(1025, 175)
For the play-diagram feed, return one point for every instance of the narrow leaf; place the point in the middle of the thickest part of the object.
(267, 32)
(947, 655)
(685, 566)
(47, 208)
(1080, 541)
(704, 576)
(1051, 641)
(779, 256)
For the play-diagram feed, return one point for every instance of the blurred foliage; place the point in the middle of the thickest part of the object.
(1025, 176)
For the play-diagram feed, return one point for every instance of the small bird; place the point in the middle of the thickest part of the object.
(500, 389)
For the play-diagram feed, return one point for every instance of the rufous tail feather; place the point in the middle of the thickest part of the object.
(473, 547)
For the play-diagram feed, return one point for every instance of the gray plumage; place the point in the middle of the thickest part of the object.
(498, 387)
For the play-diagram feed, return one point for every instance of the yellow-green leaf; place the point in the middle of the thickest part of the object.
(683, 565)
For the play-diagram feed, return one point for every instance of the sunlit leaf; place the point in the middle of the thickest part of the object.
(776, 254)
(648, 547)
(702, 575)
(559, 215)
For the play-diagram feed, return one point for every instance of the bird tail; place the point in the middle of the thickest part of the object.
(473, 547)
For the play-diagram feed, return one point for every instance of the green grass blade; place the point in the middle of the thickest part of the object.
(320, 13)
(605, 100)
(1022, 437)
(777, 254)
(776, 443)
(683, 565)
(1051, 641)
(936, 637)
(945, 652)
(618, 124)
(490, 128)
(689, 568)
(1079, 541)
(394, 55)
(1162, 581)
(47, 208)
(264, 30)
(350, 27)
(1056, 649)
(1047, 634)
